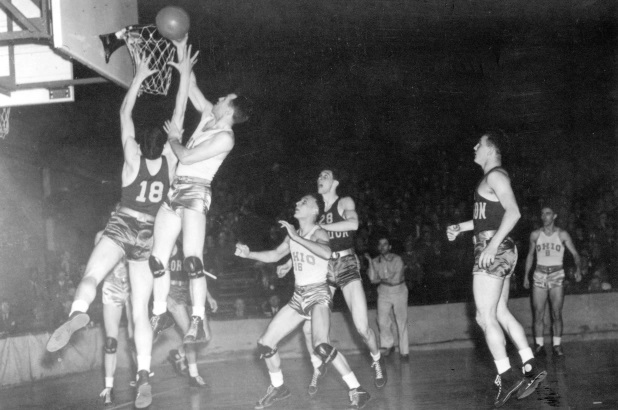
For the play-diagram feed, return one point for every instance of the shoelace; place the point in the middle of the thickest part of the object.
(195, 321)
(378, 369)
(498, 382)
(315, 377)
(354, 396)
(199, 380)
(270, 389)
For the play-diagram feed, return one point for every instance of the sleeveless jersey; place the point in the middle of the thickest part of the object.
(308, 267)
(549, 250)
(176, 270)
(487, 214)
(208, 168)
(147, 192)
(339, 241)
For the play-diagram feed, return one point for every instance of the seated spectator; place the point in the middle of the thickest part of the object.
(271, 306)
(240, 309)
(8, 324)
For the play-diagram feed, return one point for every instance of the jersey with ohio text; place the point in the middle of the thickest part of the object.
(549, 249)
(339, 241)
(146, 193)
(309, 268)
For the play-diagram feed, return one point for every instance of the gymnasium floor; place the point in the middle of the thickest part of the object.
(586, 378)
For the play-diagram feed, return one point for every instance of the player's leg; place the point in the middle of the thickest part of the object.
(166, 230)
(319, 369)
(539, 302)
(193, 235)
(400, 309)
(385, 323)
(105, 255)
(556, 297)
(111, 319)
(141, 290)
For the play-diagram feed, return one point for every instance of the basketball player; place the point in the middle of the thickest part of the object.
(311, 301)
(340, 220)
(116, 293)
(495, 214)
(188, 202)
(548, 243)
(179, 300)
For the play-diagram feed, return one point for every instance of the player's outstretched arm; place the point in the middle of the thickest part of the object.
(271, 256)
(197, 98)
(221, 143)
(185, 64)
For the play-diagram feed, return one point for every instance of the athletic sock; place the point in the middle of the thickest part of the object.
(557, 340)
(143, 362)
(350, 380)
(201, 312)
(526, 354)
(503, 365)
(159, 308)
(276, 379)
(109, 382)
(376, 357)
(79, 306)
(193, 370)
(539, 341)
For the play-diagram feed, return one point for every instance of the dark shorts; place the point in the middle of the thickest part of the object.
(548, 280)
(306, 297)
(180, 294)
(343, 270)
(132, 235)
(504, 262)
(190, 193)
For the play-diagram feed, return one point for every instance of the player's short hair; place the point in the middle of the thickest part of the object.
(152, 142)
(319, 201)
(499, 140)
(243, 109)
(338, 175)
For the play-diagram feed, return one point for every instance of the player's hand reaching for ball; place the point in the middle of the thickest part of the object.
(242, 250)
(186, 61)
(172, 131)
(452, 231)
(142, 67)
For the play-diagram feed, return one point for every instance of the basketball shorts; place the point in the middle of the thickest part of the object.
(132, 235)
(180, 294)
(504, 262)
(343, 270)
(190, 193)
(115, 291)
(548, 280)
(306, 297)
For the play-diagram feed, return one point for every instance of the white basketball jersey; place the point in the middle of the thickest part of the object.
(549, 250)
(308, 267)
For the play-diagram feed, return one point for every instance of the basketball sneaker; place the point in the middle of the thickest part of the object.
(143, 394)
(199, 331)
(179, 363)
(197, 381)
(557, 350)
(108, 396)
(539, 350)
(159, 323)
(359, 397)
(62, 335)
(379, 373)
(533, 375)
(318, 373)
(508, 383)
(272, 395)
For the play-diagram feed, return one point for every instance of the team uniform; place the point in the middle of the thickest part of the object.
(130, 227)
(487, 219)
(344, 266)
(549, 272)
(116, 288)
(180, 293)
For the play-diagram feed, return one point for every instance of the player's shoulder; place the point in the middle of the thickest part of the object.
(346, 201)
(562, 233)
(535, 234)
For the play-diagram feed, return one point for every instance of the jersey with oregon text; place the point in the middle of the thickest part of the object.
(176, 270)
(309, 268)
(146, 193)
(549, 249)
(487, 214)
(339, 241)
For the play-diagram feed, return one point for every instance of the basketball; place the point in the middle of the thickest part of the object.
(173, 22)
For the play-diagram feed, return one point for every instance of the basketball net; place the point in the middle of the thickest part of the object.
(4, 122)
(147, 42)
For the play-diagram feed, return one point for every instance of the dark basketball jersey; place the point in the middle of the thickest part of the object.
(147, 192)
(176, 271)
(339, 241)
(487, 214)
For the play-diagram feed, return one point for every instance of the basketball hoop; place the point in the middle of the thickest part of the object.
(145, 41)
(4, 122)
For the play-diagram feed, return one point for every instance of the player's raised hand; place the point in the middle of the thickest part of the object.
(186, 61)
(242, 250)
(290, 228)
(142, 67)
(172, 131)
(452, 231)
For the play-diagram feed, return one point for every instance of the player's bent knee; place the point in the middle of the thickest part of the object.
(266, 351)
(156, 266)
(193, 266)
(111, 344)
(326, 352)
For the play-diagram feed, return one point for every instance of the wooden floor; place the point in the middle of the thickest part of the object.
(586, 378)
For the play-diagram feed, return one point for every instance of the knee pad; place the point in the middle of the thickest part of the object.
(111, 345)
(193, 266)
(156, 267)
(326, 352)
(265, 351)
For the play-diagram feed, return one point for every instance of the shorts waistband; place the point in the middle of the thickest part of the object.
(179, 282)
(483, 236)
(341, 254)
(392, 284)
(140, 216)
(548, 269)
(191, 180)
(310, 286)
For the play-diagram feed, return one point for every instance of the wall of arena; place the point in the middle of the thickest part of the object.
(24, 359)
